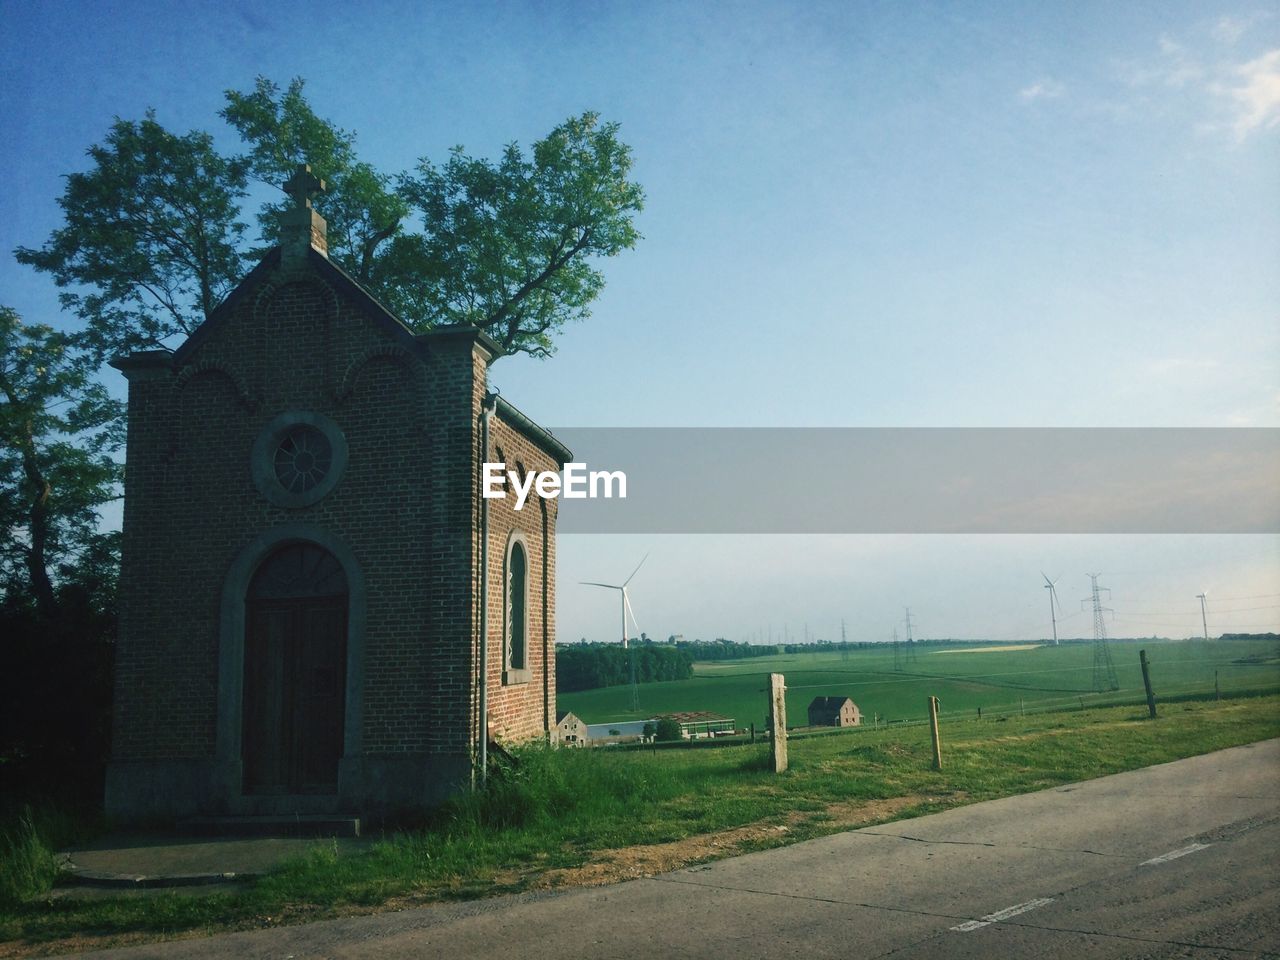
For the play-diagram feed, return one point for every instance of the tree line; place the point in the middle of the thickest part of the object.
(592, 665)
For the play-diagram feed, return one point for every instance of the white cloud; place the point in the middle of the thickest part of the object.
(1229, 30)
(1161, 367)
(1242, 97)
(1256, 94)
(1174, 68)
(1042, 89)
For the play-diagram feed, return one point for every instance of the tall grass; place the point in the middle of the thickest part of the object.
(547, 788)
(27, 865)
(547, 809)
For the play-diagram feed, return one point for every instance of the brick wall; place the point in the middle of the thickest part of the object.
(407, 506)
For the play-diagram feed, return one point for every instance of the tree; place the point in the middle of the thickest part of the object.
(152, 238)
(649, 731)
(360, 205)
(506, 246)
(59, 430)
(151, 241)
(667, 729)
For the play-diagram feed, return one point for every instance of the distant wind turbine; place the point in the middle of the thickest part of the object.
(626, 602)
(1052, 587)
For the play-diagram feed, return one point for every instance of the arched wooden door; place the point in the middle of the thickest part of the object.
(295, 673)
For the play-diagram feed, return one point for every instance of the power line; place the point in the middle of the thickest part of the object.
(1256, 596)
(1191, 612)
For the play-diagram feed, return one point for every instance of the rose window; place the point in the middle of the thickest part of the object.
(302, 459)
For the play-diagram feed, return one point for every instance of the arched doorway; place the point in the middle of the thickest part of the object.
(295, 656)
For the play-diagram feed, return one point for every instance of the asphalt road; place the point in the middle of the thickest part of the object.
(1177, 860)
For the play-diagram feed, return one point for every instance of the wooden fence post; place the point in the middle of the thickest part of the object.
(933, 726)
(778, 720)
(1146, 682)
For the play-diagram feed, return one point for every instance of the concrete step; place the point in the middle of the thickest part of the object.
(142, 861)
(298, 825)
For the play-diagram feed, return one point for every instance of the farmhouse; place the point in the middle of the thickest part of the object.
(834, 712)
(318, 612)
(569, 731)
(700, 724)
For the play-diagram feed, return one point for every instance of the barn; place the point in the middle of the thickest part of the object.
(834, 712)
(569, 731)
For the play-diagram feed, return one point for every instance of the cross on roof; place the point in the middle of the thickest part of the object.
(303, 186)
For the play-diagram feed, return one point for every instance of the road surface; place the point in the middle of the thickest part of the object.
(1177, 860)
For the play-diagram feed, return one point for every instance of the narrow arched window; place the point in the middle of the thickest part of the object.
(517, 609)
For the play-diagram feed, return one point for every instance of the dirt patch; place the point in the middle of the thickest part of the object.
(628, 863)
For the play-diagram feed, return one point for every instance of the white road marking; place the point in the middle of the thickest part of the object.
(1004, 914)
(1173, 854)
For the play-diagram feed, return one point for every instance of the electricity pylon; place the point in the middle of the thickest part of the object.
(1104, 670)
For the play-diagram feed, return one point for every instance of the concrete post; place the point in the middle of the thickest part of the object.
(778, 720)
(933, 727)
(1146, 682)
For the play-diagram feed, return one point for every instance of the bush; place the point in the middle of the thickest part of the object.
(55, 698)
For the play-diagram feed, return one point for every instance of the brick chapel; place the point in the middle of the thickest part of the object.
(308, 568)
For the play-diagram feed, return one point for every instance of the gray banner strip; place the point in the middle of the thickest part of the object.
(930, 480)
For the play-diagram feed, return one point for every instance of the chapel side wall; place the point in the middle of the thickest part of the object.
(457, 370)
(522, 711)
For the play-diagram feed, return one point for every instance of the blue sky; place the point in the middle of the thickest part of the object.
(859, 214)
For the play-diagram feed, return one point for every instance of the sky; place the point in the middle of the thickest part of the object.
(858, 214)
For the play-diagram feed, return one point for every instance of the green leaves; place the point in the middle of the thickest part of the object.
(506, 247)
(58, 431)
(151, 242)
(359, 203)
(152, 239)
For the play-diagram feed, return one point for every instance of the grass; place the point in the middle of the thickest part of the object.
(1042, 677)
(563, 809)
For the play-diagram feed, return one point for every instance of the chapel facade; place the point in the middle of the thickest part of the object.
(308, 568)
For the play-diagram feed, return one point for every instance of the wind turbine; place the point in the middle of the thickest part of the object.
(626, 602)
(1052, 587)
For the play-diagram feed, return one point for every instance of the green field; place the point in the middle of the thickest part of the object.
(1003, 679)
